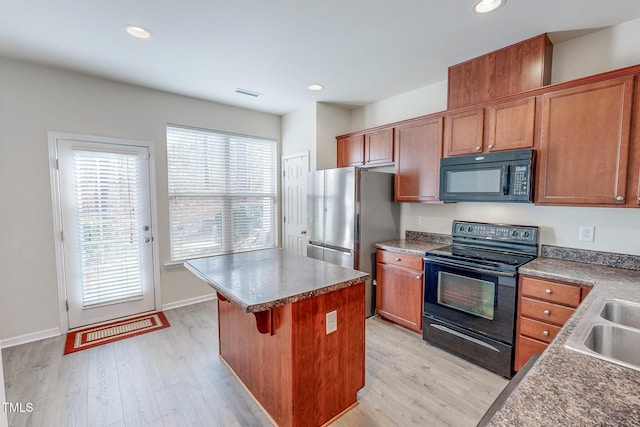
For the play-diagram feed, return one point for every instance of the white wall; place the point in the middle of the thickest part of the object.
(604, 50)
(425, 100)
(35, 100)
(330, 122)
(314, 127)
(617, 230)
(299, 131)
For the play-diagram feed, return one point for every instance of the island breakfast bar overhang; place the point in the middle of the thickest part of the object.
(275, 312)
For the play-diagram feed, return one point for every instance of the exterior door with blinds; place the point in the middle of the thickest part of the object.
(106, 230)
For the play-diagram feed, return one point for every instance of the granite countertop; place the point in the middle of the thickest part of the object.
(260, 280)
(568, 388)
(414, 247)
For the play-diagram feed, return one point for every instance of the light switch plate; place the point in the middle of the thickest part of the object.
(332, 321)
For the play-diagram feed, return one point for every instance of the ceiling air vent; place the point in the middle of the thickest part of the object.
(248, 92)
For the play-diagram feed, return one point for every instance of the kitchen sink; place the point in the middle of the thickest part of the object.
(622, 312)
(609, 330)
(616, 343)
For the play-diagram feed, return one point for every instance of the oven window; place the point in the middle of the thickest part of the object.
(474, 181)
(466, 294)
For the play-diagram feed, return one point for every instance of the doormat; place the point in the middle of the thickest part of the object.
(103, 334)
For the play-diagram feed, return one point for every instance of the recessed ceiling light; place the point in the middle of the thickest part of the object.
(137, 32)
(488, 5)
(316, 87)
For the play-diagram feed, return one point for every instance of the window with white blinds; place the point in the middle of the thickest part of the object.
(108, 201)
(222, 192)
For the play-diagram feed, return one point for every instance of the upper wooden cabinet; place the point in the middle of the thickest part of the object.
(350, 150)
(511, 125)
(378, 147)
(584, 144)
(634, 156)
(513, 69)
(464, 132)
(371, 149)
(418, 146)
(501, 126)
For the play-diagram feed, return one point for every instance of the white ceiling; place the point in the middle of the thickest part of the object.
(361, 50)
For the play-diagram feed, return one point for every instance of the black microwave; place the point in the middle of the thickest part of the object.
(496, 177)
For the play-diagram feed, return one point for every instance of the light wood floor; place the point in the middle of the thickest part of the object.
(173, 377)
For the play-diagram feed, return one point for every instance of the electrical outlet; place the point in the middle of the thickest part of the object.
(331, 321)
(587, 233)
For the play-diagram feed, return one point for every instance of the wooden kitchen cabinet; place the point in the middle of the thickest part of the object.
(378, 147)
(517, 68)
(502, 126)
(584, 144)
(370, 149)
(418, 149)
(350, 150)
(634, 152)
(543, 308)
(399, 290)
(464, 132)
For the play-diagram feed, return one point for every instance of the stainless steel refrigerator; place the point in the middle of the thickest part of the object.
(349, 210)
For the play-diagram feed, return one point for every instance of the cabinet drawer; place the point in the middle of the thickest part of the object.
(545, 311)
(551, 291)
(412, 262)
(538, 330)
(527, 347)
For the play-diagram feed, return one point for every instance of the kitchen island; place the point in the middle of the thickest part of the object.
(292, 330)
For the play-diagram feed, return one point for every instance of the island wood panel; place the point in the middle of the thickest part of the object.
(298, 373)
(328, 369)
(259, 360)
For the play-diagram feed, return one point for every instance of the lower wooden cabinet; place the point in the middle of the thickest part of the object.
(399, 289)
(543, 308)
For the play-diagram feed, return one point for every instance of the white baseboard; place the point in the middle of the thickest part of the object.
(55, 332)
(27, 338)
(188, 301)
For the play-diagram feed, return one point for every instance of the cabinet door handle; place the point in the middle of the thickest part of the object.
(478, 148)
(546, 312)
(418, 276)
(490, 146)
(397, 259)
(548, 292)
(545, 333)
(620, 198)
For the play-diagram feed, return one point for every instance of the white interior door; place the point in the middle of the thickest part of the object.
(295, 170)
(106, 230)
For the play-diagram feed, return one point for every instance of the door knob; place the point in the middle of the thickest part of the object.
(303, 232)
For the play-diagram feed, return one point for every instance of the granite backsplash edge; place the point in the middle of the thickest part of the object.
(422, 236)
(609, 259)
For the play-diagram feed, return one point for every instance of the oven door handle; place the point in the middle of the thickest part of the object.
(469, 268)
(463, 336)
